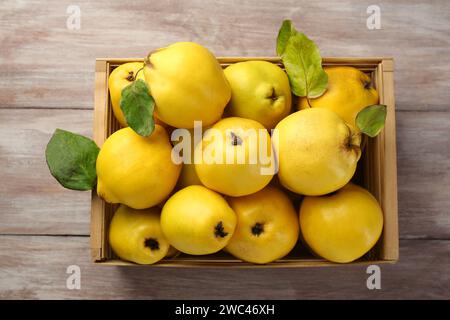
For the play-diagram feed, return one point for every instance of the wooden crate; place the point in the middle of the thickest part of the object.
(377, 171)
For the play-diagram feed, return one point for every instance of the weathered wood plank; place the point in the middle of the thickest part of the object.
(46, 65)
(423, 158)
(35, 267)
(32, 202)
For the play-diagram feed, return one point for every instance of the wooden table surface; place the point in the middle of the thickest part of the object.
(46, 81)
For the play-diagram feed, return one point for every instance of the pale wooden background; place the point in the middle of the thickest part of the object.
(46, 81)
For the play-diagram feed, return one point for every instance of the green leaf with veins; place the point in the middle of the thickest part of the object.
(285, 32)
(137, 106)
(371, 119)
(303, 64)
(71, 159)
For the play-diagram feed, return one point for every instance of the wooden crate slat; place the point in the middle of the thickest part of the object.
(390, 243)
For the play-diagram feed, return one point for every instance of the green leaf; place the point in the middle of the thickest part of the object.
(71, 159)
(137, 106)
(371, 119)
(285, 32)
(303, 64)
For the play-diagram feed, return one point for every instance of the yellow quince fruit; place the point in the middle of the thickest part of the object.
(136, 171)
(119, 78)
(136, 235)
(187, 84)
(342, 226)
(267, 227)
(260, 91)
(349, 91)
(235, 157)
(317, 151)
(196, 220)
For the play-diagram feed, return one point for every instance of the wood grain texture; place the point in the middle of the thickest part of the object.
(31, 200)
(47, 81)
(423, 152)
(34, 203)
(24, 276)
(39, 56)
(388, 139)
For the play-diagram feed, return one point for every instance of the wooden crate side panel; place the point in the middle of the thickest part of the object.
(390, 243)
(100, 134)
(338, 60)
(236, 264)
(365, 64)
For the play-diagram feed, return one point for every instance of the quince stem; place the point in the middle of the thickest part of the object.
(137, 72)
